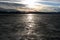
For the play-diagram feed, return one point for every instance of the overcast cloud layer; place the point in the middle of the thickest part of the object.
(40, 0)
(45, 5)
(46, 2)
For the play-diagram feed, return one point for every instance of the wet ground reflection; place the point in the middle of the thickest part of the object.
(30, 27)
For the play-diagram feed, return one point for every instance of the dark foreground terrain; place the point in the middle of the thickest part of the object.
(29, 26)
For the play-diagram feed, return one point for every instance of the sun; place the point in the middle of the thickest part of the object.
(29, 3)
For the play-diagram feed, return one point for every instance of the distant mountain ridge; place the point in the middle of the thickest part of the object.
(13, 11)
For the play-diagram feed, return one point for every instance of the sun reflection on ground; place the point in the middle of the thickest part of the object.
(29, 17)
(30, 25)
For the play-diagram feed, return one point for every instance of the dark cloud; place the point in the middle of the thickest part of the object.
(11, 0)
(8, 5)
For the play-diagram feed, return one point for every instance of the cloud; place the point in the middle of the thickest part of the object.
(41, 8)
(42, 5)
(37, 0)
(52, 0)
(49, 9)
(49, 3)
(10, 5)
(9, 0)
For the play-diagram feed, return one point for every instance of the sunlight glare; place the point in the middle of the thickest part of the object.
(29, 3)
(30, 17)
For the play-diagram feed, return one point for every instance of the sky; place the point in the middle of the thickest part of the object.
(35, 5)
(40, 0)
